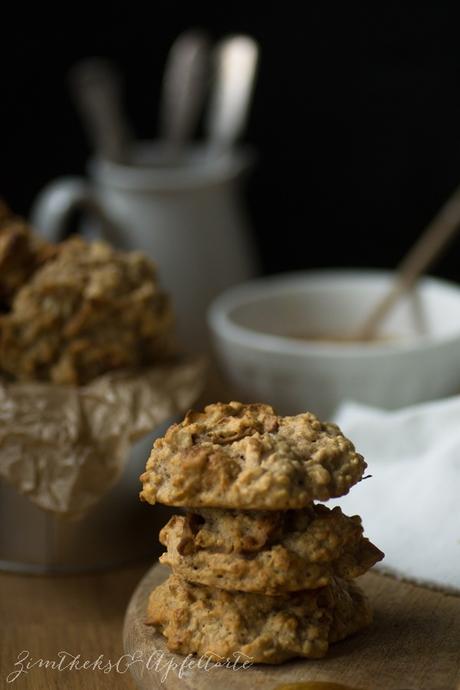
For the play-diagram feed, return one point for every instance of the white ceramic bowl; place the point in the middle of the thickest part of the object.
(253, 324)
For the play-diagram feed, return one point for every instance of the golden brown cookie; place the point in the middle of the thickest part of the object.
(269, 552)
(21, 253)
(91, 310)
(251, 627)
(247, 457)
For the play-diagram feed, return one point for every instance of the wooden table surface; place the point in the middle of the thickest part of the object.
(75, 614)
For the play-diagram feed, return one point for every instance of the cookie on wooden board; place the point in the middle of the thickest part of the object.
(196, 619)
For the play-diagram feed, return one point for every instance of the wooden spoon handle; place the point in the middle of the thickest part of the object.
(427, 248)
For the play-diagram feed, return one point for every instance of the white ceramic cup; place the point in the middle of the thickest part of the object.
(418, 358)
(187, 216)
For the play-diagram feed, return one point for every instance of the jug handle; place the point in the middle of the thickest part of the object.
(57, 201)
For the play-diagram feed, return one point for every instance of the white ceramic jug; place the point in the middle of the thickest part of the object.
(187, 217)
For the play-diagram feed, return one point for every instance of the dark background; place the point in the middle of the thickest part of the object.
(356, 115)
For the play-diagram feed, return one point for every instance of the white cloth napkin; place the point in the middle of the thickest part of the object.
(411, 505)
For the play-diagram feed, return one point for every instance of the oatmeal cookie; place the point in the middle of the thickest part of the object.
(21, 253)
(247, 457)
(91, 310)
(269, 552)
(220, 624)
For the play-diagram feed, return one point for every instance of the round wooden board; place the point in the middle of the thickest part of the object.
(414, 643)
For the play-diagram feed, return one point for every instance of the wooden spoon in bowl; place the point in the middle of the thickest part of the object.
(426, 249)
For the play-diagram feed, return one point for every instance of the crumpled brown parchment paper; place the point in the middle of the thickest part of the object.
(64, 447)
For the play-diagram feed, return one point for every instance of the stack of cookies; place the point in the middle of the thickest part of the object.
(259, 570)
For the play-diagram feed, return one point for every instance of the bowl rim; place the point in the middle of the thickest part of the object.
(222, 326)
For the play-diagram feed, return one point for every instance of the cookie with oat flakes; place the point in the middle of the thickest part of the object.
(196, 619)
(91, 310)
(268, 552)
(247, 457)
(21, 254)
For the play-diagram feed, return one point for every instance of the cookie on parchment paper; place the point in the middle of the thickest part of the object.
(89, 311)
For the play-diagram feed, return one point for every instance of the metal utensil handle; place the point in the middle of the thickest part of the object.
(184, 84)
(236, 61)
(97, 91)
